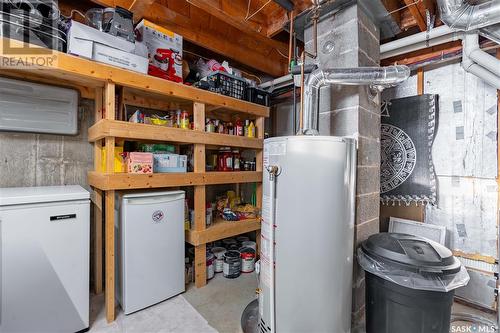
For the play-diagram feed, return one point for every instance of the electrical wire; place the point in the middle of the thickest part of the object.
(409, 5)
(281, 53)
(256, 12)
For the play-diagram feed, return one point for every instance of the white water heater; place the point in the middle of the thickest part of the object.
(308, 213)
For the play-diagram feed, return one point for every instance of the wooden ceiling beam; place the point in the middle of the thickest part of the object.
(416, 9)
(232, 12)
(279, 19)
(407, 20)
(392, 7)
(139, 7)
(214, 34)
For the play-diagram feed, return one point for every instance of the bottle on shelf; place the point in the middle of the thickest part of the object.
(245, 129)
(210, 127)
(251, 130)
(238, 128)
(184, 123)
(236, 160)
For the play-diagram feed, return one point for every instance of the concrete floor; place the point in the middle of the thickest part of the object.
(215, 308)
(222, 301)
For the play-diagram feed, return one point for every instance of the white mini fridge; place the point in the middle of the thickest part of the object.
(44, 258)
(150, 248)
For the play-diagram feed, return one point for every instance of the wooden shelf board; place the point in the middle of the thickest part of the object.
(221, 229)
(91, 73)
(122, 129)
(129, 181)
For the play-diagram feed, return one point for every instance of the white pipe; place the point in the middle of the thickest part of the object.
(484, 75)
(478, 62)
(410, 47)
(277, 81)
(416, 38)
(473, 51)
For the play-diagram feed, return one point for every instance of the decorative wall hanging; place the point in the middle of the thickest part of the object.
(407, 135)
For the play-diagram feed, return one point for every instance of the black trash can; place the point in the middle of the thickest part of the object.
(410, 284)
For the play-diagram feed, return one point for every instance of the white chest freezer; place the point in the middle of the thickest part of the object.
(44, 253)
(150, 248)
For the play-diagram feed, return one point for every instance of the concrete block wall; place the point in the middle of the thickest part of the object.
(352, 111)
(29, 159)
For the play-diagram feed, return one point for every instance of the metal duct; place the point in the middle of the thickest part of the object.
(461, 15)
(492, 33)
(380, 77)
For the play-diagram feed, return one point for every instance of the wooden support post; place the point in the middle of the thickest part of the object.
(110, 255)
(97, 241)
(109, 104)
(259, 159)
(97, 200)
(200, 269)
(420, 81)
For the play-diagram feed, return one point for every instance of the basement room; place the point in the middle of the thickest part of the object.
(249, 166)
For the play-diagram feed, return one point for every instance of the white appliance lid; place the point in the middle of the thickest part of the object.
(151, 194)
(30, 195)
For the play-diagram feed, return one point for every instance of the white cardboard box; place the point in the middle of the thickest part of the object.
(90, 43)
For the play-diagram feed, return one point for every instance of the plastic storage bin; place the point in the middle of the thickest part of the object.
(227, 84)
(410, 283)
(164, 163)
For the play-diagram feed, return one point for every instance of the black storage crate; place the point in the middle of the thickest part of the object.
(258, 96)
(227, 84)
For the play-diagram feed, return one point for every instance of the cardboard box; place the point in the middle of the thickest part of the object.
(164, 49)
(139, 163)
(118, 160)
(90, 43)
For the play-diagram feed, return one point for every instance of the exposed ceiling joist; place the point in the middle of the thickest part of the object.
(233, 13)
(417, 10)
(139, 7)
(280, 19)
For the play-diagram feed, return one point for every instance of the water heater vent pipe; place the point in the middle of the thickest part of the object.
(377, 77)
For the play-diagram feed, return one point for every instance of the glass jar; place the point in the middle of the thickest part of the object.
(184, 120)
(236, 160)
(225, 160)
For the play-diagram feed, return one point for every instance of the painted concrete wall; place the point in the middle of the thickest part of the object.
(28, 159)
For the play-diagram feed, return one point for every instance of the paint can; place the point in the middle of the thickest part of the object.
(233, 247)
(227, 241)
(242, 239)
(250, 244)
(247, 259)
(210, 265)
(219, 258)
(232, 264)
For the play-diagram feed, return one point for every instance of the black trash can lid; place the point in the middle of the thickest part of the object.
(411, 253)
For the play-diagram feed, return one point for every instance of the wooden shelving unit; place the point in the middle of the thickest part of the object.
(100, 82)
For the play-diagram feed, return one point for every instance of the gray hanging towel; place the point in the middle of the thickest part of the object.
(409, 126)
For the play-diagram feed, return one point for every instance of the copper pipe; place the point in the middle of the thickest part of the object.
(315, 18)
(301, 121)
(290, 42)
